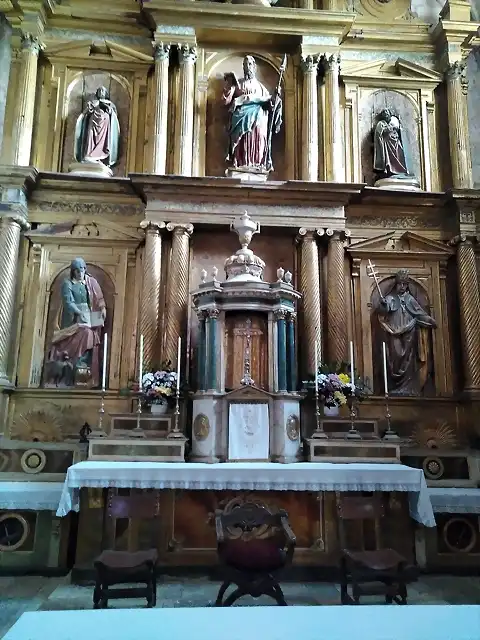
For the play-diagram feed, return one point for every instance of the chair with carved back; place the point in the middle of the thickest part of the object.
(254, 546)
(379, 571)
(115, 567)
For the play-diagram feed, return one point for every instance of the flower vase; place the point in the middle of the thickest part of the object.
(331, 412)
(159, 409)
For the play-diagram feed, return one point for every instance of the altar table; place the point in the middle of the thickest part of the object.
(382, 622)
(455, 499)
(38, 496)
(251, 476)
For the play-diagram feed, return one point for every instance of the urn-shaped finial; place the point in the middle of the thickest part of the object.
(288, 277)
(215, 274)
(245, 227)
(280, 274)
(203, 276)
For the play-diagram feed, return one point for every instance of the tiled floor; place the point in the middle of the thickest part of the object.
(18, 595)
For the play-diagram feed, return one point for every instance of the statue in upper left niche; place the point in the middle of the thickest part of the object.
(97, 132)
(255, 115)
(73, 359)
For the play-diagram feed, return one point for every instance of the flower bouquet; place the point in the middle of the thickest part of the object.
(158, 387)
(335, 385)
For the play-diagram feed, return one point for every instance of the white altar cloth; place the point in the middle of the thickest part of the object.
(252, 476)
(455, 499)
(42, 496)
(375, 622)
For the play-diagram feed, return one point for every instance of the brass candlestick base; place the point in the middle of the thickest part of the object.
(99, 432)
(175, 433)
(138, 431)
(319, 433)
(389, 434)
(353, 433)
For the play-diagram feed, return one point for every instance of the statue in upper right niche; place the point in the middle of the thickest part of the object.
(406, 327)
(391, 159)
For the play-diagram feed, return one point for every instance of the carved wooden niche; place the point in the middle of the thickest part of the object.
(79, 92)
(407, 112)
(218, 115)
(54, 309)
(420, 343)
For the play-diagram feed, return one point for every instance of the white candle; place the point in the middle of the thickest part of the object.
(316, 366)
(352, 367)
(178, 363)
(140, 365)
(385, 377)
(104, 372)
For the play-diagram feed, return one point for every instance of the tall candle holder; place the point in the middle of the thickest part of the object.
(175, 433)
(353, 433)
(138, 432)
(99, 432)
(389, 434)
(319, 433)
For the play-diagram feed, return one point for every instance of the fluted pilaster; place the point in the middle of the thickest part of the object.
(333, 147)
(458, 126)
(310, 289)
(469, 294)
(25, 100)
(184, 139)
(336, 298)
(177, 290)
(150, 302)
(10, 228)
(310, 119)
(162, 60)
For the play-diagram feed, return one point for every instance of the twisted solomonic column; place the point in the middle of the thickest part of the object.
(336, 298)
(10, 229)
(175, 323)
(150, 301)
(309, 164)
(458, 126)
(25, 99)
(469, 294)
(184, 138)
(162, 61)
(310, 289)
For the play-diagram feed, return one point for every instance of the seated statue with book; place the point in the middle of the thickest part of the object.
(73, 359)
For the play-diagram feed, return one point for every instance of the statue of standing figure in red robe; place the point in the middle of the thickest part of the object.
(97, 132)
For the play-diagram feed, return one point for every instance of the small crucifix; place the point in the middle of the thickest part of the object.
(247, 380)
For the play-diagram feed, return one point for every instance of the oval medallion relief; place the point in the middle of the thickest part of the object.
(201, 427)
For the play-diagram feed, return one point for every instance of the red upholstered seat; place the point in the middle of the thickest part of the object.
(257, 554)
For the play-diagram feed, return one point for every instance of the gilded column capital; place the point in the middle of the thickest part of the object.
(338, 234)
(11, 217)
(331, 63)
(308, 235)
(31, 43)
(309, 64)
(280, 314)
(292, 316)
(463, 238)
(187, 54)
(180, 229)
(212, 314)
(201, 314)
(455, 70)
(151, 226)
(161, 51)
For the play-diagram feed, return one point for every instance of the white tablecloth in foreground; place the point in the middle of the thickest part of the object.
(43, 496)
(251, 476)
(271, 623)
(455, 499)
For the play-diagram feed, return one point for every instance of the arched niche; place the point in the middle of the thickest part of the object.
(55, 302)
(217, 113)
(387, 286)
(82, 89)
(405, 108)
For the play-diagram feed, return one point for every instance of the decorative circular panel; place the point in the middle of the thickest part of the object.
(33, 461)
(293, 427)
(14, 530)
(433, 468)
(459, 535)
(201, 427)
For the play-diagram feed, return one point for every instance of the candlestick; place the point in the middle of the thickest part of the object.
(104, 371)
(389, 433)
(319, 432)
(140, 366)
(385, 377)
(175, 432)
(316, 367)
(352, 368)
(99, 431)
(353, 433)
(178, 363)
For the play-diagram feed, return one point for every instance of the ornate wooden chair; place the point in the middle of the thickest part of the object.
(126, 567)
(380, 571)
(254, 546)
